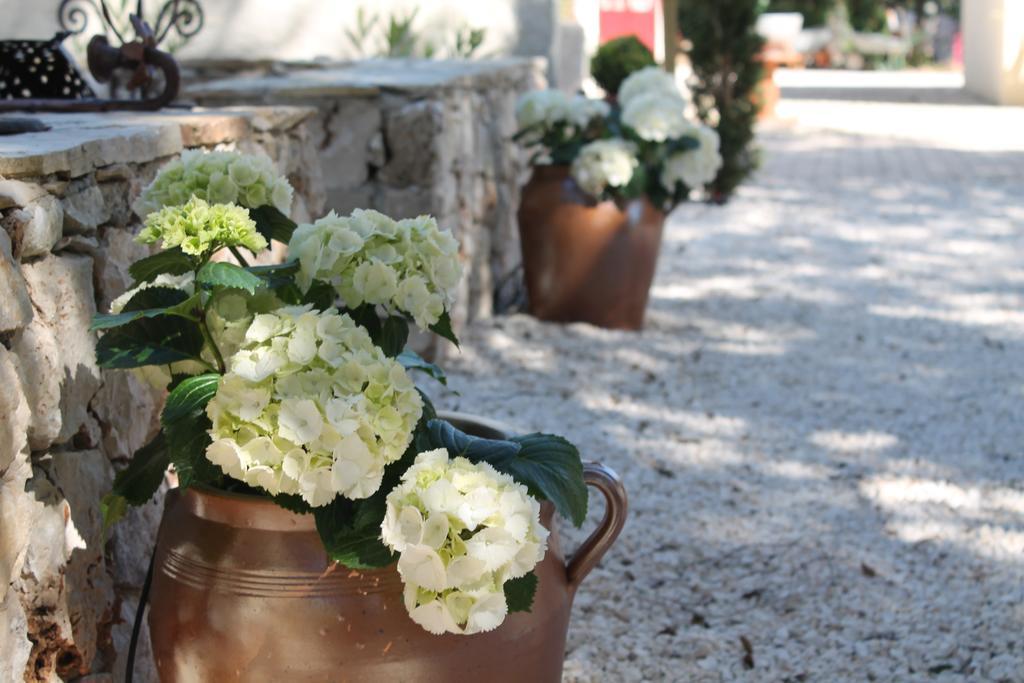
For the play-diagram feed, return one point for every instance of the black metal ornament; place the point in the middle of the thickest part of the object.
(152, 72)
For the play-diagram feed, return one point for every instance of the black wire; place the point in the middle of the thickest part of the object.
(137, 626)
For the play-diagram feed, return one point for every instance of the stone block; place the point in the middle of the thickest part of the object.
(41, 583)
(15, 647)
(39, 366)
(84, 206)
(36, 227)
(62, 293)
(117, 199)
(15, 193)
(14, 411)
(16, 511)
(84, 477)
(412, 134)
(15, 304)
(404, 202)
(347, 130)
(118, 250)
(128, 412)
(343, 199)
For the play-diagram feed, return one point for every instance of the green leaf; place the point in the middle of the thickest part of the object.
(149, 341)
(551, 468)
(276, 275)
(289, 267)
(443, 434)
(350, 531)
(548, 465)
(148, 303)
(411, 360)
(221, 274)
(443, 327)
(186, 429)
(136, 484)
(394, 333)
(187, 441)
(519, 592)
(272, 224)
(112, 508)
(189, 397)
(173, 261)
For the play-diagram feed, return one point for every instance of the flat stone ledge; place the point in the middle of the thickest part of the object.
(78, 144)
(367, 78)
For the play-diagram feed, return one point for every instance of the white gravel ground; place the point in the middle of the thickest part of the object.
(820, 429)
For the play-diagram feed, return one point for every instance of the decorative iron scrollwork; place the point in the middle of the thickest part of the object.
(184, 17)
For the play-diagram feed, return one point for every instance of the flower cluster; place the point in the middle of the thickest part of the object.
(462, 530)
(656, 117)
(544, 110)
(219, 178)
(200, 228)
(312, 407)
(694, 167)
(649, 80)
(409, 265)
(603, 164)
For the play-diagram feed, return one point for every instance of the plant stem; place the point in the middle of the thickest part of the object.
(238, 255)
(208, 338)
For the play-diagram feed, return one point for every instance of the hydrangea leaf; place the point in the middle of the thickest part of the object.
(443, 327)
(149, 341)
(136, 484)
(444, 435)
(519, 592)
(411, 360)
(551, 468)
(272, 224)
(171, 261)
(350, 531)
(147, 303)
(185, 426)
(220, 274)
(394, 333)
(189, 397)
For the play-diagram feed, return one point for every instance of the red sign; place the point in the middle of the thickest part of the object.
(629, 17)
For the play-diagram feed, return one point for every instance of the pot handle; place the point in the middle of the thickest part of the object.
(605, 480)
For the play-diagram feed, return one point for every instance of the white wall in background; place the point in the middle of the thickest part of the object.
(993, 33)
(304, 29)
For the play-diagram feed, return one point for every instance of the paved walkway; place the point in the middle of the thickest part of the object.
(822, 427)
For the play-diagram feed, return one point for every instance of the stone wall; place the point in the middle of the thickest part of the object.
(68, 592)
(408, 137)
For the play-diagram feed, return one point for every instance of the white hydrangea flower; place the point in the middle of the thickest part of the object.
(651, 79)
(546, 109)
(312, 407)
(696, 167)
(462, 530)
(219, 178)
(409, 265)
(604, 163)
(656, 117)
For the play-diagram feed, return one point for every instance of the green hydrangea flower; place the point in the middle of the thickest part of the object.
(220, 178)
(199, 228)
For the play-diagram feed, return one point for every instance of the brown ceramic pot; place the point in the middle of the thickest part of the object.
(243, 591)
(584, 261)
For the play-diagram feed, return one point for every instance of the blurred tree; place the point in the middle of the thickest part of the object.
(815, 11)
(618, 58)
(724, 54)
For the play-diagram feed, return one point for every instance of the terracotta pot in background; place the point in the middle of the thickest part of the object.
(586, 262)
(243, 591)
